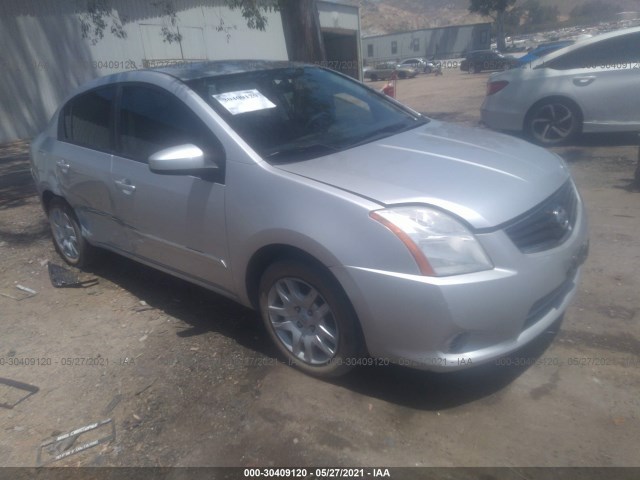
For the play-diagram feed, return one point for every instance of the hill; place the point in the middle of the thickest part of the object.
(388, 16)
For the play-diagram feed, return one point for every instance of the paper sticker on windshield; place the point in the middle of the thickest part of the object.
(243, 101)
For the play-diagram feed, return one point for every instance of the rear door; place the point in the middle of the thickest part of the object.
(175, 222)
(82, 159)
(604, 78)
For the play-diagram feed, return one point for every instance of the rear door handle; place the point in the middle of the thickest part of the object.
(126, 186)
(583, 81)
(63, 166)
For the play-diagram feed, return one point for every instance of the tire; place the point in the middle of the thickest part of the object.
(475, 68)
(309, 318)
(553, 122)
(67, 235)
(374, 77)
(402, 75)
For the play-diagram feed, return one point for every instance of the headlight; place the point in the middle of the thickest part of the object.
(440, 244)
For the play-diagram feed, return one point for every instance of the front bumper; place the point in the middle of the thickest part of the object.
(450, 323)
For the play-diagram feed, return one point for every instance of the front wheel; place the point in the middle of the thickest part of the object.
(553, 122)
(67, 234)
(309, 318)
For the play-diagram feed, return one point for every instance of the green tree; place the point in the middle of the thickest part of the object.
(513, 19)
(96, 17)
(540, 14)
(495, 9)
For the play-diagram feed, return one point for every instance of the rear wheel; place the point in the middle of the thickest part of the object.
(553, 122)
(309, 318)
(67, 234)
(374, 77)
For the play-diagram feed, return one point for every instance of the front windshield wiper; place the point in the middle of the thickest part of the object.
(304, 151)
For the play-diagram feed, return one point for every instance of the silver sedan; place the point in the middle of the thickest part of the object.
(359, 228)
(591, 86)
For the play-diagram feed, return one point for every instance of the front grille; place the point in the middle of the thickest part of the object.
(548, 224)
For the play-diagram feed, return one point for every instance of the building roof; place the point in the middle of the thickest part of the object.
(368, 37)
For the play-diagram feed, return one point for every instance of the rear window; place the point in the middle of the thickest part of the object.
(87, 119)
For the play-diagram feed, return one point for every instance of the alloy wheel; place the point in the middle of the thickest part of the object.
(553, 123)
(303, 321)
(65, 234)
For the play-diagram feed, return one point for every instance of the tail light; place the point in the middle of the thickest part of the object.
(495, 87)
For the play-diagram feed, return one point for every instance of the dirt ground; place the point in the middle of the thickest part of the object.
(190, 379)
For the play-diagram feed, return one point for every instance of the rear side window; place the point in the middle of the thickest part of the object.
(151, 120)
(608, 53)
(87, 119)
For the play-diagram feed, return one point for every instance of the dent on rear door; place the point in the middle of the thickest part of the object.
(84, 178)
(81, 159)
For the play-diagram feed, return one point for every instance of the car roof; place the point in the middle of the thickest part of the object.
(195, 70)
(185, 72)
(584, 43)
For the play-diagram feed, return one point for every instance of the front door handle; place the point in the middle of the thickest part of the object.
(63, 165)
(126, 186)
(583, 81)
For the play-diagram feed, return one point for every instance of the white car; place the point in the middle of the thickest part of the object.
(591, 86)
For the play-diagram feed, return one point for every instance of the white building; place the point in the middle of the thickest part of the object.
(45, 55)
(442, 43)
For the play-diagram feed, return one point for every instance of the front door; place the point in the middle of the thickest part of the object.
(176, 222)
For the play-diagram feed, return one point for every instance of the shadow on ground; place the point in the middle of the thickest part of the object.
(16, 184)
(205, 311)
(202, 310)
(440, 391)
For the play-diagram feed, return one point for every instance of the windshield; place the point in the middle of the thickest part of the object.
(294, 114)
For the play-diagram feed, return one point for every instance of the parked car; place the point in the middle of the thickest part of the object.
(591, 86)
(354, 224)
(420, 64)
(384, 71)
(487, 60)
(543, 50)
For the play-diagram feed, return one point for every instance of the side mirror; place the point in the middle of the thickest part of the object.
(186, 159)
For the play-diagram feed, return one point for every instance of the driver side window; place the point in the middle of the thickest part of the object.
(151, 120)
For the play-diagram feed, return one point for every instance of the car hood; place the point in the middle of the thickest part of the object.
(485, 178)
